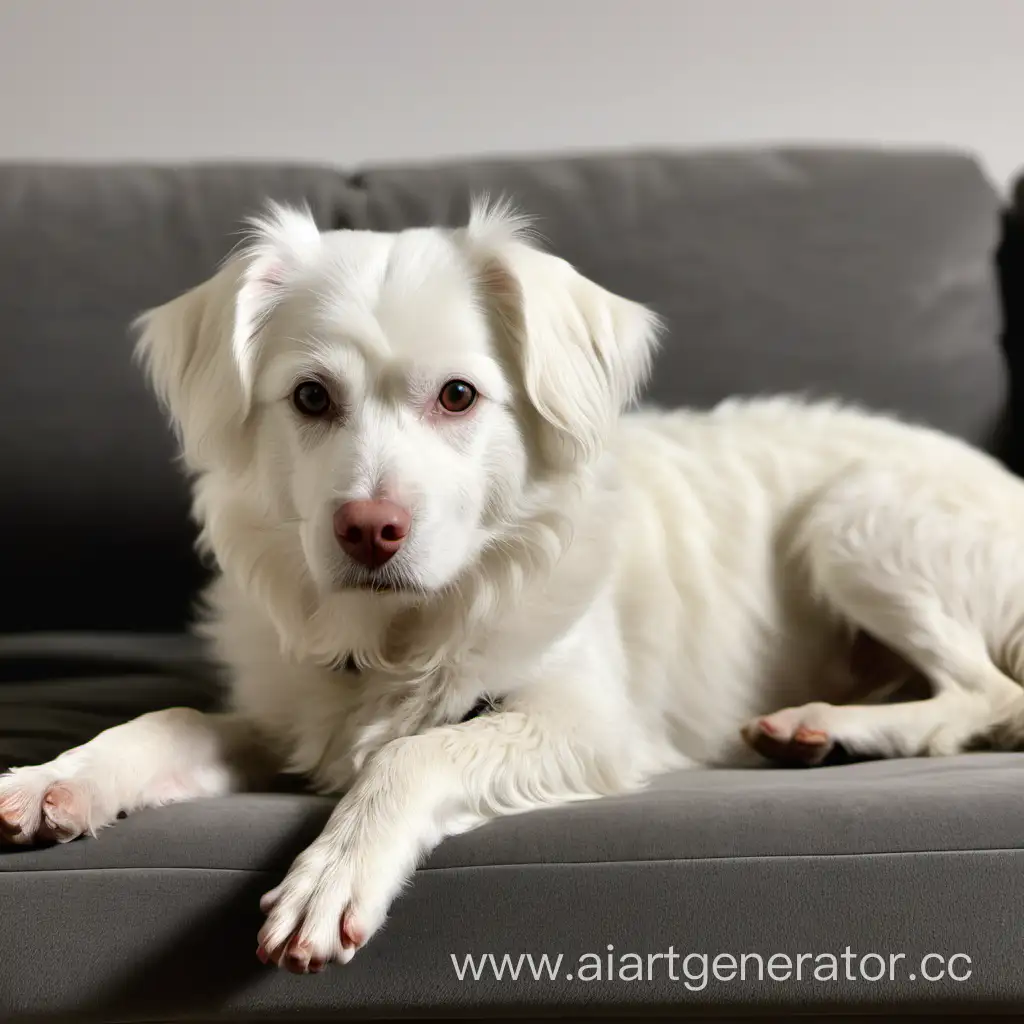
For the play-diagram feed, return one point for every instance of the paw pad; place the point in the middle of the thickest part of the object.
(805, 746)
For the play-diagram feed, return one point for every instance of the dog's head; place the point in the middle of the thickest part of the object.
(390, 403)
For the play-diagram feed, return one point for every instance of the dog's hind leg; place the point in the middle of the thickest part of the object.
(942, 724)
(159, 758)
(901, 564)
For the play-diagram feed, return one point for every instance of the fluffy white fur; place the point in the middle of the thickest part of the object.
(630, 591)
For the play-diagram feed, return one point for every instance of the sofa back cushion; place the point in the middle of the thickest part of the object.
(862, 274)
(94, 523)
(867, 275)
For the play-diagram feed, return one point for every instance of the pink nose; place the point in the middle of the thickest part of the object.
(370, 532)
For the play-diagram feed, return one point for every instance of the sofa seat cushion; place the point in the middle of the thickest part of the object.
(155, 919)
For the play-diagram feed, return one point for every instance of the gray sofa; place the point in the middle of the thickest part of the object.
(869, 275)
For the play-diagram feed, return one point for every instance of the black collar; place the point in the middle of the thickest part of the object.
(483, 706)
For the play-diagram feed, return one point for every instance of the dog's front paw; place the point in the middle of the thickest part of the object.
(37, 805)
(329, 904)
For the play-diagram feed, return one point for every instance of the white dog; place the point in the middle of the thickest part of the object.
(411, 468)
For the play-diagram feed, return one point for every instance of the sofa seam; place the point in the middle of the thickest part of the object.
(745, 858)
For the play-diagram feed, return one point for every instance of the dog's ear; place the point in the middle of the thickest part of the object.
(583, 352)
(200, 350)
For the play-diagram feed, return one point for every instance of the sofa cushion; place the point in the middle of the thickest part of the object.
(863, 274)
(59, 690)
(859, 273)
(156, 918)
(94, 516)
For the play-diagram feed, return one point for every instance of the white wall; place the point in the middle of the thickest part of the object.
(389, 80)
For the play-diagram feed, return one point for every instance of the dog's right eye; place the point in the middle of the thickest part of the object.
(311, 399)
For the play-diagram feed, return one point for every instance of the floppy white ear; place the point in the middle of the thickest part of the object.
(200, 349)
(583, 351)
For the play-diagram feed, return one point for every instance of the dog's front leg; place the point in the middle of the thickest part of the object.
(412, 793)
(160, 758)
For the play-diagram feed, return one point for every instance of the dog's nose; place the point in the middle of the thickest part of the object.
(370, 532)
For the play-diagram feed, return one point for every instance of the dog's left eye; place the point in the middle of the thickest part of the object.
(457, 396)
(311, 398)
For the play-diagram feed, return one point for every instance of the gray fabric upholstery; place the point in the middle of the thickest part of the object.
(860, 274)
(157, 917)
(96, 531)
(58, 690)
(866, 275)
(956, 804)
(863, 274)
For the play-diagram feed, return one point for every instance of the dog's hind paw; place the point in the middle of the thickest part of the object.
(790, 736)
